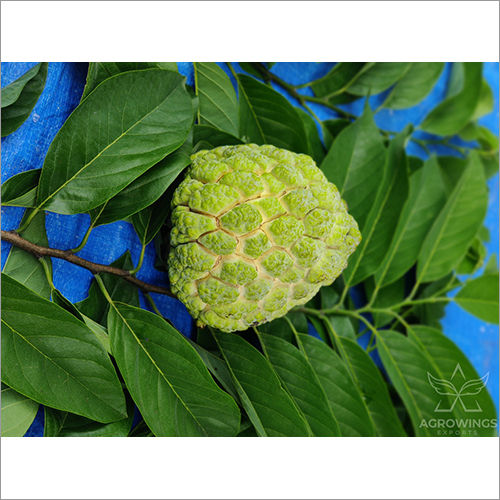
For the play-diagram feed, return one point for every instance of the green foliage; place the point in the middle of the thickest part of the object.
(269, 407)
(218, 105)
(423, 237)
(81, 158)
(266, 117)
(27, 268)
(19, 97)
(20, 189)
(18, 412)
(100, 71)
(416, 83)
(383, 214)
(425, 198)
(78, 375)
(480, 297)
(456, 225)
(143, 191)
(356, 157)
(451, 115)
(95, 306)
(175, 392)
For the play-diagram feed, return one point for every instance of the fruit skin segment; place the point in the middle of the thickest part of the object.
(256, 231)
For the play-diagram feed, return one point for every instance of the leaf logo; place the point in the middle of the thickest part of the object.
(449, 388)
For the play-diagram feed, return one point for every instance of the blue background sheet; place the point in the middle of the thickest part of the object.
(25, 149)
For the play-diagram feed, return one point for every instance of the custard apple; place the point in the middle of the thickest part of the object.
(256, 231)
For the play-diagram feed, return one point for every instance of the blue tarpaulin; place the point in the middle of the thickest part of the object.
(25, 149)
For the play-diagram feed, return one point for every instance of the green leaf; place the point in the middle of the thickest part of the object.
(474, 258)
(207, 137)
(320, 327)
(19, 98)
(64, 424)
(425, 199)
(99, 331)
(270, 409)
(18, 413)
(301, 381)
(339, 78)
(253, 68)
(148, 222)
(407, 367)
(279, 327)
(456, 225)
(315, 146)
(387, 296)
(452, 114)
(95, 306)
(54, 359)
(485, 102)
(145, 190)
(379, 77)
(85, 167)
(332, 128)
(266, 117)
(53, 421)
(416, 83)
(218, 368)
(218, 103)
(20, 189)
(25, 267)
(480, 297)
(100, 71)
(456, 80)
(430, 313)
(342, 325)
(354, 163)
(383, 215)
(174, 392)
(450, 364)
(372, 387)
(343, 395)
(491, 266)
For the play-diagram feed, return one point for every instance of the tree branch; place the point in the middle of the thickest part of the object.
(39, 251)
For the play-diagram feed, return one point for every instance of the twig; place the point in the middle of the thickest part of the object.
(303, 98)
(39, 251)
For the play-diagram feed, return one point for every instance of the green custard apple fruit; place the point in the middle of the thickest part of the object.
(256, 231)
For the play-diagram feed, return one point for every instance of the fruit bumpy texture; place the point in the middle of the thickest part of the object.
(256, 231)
